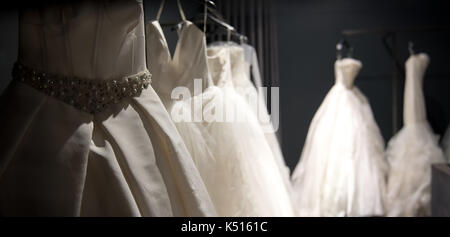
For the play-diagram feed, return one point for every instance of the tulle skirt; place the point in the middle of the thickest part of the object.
(342, 169)
(257, 104)
(242, 176)
(410, 154)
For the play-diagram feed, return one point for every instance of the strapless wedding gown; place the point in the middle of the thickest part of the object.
(84, 134)
(413, 149)
(240, 75)
(342, 169)
(247, 181)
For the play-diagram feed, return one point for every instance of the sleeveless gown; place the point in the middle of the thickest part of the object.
(59, 159)
(216, 146)
(181, 70)
(249, 182)
(342, 169)
(412, 150)
(240, 75)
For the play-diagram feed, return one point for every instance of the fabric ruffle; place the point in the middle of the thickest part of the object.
(410, 153)
(242, 177)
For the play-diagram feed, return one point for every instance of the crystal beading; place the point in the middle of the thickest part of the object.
(91, 96)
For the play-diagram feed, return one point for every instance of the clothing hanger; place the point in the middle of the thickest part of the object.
(340, 46)
(212, 18)
(213, 15)
(230, 30)
(173, 25)
(209, 3)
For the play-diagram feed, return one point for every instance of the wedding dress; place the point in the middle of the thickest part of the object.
(240, 75)
(342, 169)
(224, 159)
(84, 134)
(186, 70)
(248, 181)
(412, 150)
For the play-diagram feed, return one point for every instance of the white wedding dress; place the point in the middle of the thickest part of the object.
(342, 169)
(83, 132)
(240, 75)
(233, 158)
(247, 180)
(181, 70)
(412, 150)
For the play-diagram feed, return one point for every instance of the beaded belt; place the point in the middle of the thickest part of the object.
(91, 96)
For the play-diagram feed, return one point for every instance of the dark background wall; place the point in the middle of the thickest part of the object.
(8, 44)
(308, 31)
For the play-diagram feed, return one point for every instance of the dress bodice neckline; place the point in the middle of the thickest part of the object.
(182, 69)
(186, 25)
(346, 71)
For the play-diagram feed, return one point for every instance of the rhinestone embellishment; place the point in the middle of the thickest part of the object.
(91, 96)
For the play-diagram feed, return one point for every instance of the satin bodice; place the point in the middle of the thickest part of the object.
(85, 39)
(180, 69)
(346, 71)
(414, 103)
